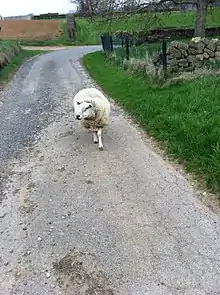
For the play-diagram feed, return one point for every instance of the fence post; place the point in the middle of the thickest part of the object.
(103, 44)
(127, 47)
(107, 43)
(111, 43)
(122, 41)
(164, 55)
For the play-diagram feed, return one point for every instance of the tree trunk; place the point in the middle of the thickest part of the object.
(201, 12)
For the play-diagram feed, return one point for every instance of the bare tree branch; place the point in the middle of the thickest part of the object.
(111, 10)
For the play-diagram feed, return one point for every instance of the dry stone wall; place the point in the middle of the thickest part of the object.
(187, 57)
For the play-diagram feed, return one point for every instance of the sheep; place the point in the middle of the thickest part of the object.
(93, 108)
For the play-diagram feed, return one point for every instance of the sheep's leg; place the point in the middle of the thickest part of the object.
(99, 133)
(95, 137)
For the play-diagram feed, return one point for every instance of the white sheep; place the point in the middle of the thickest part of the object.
(93, 108)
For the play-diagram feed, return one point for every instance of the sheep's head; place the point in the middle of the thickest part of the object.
(84, 110)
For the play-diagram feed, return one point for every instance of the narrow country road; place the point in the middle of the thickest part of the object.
(77, 221)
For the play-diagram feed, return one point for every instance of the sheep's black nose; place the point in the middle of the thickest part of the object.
(77, 117)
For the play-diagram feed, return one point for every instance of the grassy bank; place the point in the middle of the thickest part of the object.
(16, 62)
(184, 117)
(9, 47)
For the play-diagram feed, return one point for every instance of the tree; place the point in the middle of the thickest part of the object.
(92, 7)
(201, 13)
(201, 7)
(148, 9)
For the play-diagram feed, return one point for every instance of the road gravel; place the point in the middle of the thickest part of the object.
(74, 220)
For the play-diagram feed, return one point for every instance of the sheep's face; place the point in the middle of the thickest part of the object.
(84, 110)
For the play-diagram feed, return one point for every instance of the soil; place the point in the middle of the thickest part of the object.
(46, 48)
(75, 275)
(30, 29)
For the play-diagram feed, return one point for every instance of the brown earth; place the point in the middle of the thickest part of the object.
(30, 29)
(46, 48)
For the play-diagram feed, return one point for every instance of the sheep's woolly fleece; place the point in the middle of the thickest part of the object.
(101, 107)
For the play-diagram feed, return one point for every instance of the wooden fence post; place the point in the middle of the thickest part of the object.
(127, 47)
(103, 44)
(164, 55)
(122, 41)
(111, 44)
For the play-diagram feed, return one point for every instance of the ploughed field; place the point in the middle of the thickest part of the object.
(30, 29)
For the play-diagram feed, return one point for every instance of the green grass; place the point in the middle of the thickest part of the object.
(183, 117)
(8, 46)
(138, 52)
(90, 30)
(141, 22)
(16, 62)
(187, 19)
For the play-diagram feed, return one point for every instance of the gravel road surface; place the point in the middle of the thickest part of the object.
(77, 221)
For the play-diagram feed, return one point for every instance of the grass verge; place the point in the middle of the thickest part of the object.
(16, 62)
(183, 117)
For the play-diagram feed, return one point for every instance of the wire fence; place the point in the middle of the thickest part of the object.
(170, 57)
(127, 47)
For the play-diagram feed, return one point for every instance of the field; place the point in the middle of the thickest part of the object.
(90, 30)
(30, 29)
(54, 32)
(142, 22)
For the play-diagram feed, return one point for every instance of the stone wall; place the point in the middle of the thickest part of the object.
(188, 57)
